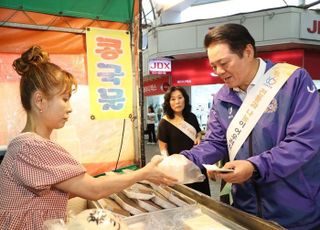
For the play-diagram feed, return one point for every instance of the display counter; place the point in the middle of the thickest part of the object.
(183, 209)
(229, 213)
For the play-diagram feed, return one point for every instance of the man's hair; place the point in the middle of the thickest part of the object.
(235, 35)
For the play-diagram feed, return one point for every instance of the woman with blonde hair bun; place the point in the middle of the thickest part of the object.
(37, 176)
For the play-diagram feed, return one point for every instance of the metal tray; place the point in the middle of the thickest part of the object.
(174, 219)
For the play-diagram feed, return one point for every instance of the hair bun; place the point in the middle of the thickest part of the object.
(32, 57)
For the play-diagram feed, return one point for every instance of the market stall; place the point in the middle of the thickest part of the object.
(59, 27)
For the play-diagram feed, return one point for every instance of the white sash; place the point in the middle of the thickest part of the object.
(184, 127)
(254, 105)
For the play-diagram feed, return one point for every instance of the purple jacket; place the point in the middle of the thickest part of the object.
(286, 151)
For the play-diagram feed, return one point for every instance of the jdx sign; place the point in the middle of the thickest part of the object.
(310, 26)
(159, 66)
(315, 27)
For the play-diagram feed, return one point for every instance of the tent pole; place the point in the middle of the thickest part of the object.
(141, 97)
(41, 27)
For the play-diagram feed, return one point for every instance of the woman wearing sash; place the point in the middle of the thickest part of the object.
(265, 120)
(179, 129)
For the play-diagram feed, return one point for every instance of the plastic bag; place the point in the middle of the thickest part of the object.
(96, 219)
(184, 170)
(87, 219)
(55, 224)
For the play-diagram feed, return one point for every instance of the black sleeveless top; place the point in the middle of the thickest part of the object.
(177, 141)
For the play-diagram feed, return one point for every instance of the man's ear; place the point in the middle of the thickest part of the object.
(249, 51)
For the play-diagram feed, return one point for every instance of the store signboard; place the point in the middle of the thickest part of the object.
(199, 72)
(156, 87)
(109, 73)
(160, 66)
(310, 26)
(308, 59)
(193, 72)
(294, 57)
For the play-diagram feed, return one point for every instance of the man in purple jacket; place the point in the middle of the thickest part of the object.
(276, 162)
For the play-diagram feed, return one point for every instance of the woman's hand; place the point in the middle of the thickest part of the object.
(154, 175)
(198, 139)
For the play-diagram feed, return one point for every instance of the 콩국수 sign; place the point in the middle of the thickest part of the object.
(109, 73)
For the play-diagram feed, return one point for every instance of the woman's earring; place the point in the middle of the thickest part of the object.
(40, 110)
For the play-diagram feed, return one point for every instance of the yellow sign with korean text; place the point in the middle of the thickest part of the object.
(109, 73)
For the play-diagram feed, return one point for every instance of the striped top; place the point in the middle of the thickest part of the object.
(30, 168)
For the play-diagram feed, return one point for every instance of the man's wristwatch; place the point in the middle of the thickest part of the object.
(256, 173)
